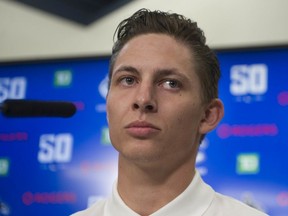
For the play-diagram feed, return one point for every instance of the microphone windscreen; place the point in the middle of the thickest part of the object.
(35, 108)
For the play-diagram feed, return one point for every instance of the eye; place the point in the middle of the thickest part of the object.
(171, 84)
(127, 81)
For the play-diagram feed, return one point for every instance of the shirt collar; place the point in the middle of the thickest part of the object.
(195, 199)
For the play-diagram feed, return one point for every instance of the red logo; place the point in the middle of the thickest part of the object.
(282, 199)
(283, 98)
(28, 198)
(13, 136)
(79, 105)
(87, 166)
(225, 130)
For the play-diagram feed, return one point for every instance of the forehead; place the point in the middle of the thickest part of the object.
(152, 51)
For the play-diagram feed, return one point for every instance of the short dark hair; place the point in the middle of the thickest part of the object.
(183, 30)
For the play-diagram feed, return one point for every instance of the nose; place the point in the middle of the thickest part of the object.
(145, 99)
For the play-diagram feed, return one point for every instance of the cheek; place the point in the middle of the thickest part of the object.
(111, 119)
(110, 102)
(110, 110)
(189, 117)
(116, 108)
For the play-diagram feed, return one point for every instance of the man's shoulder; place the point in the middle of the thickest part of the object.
(96, 209)
(224, 205)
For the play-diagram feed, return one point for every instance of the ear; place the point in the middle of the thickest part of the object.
(213, 114)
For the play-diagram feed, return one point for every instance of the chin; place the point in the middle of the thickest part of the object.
(141, 156)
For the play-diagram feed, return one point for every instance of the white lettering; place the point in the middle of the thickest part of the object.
(248, 79)
(55, 148)
(13, 88)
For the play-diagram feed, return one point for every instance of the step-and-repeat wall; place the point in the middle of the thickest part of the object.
(57, 166)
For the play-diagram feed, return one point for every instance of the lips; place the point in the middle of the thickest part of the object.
(142, 129)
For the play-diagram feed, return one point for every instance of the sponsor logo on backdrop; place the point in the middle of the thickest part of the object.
(59, 197)
(103, 87)
(79, 105)
(4, 208)
(247, 163)
(97, 166)
(13, 136)
(63, 78)
(282, 199)
(283, 98)
(202, 157)
(4, 166)
(248, 83)
(252, 130)
(103, 90)
(105, 137)
(12, 88)
(55, 150)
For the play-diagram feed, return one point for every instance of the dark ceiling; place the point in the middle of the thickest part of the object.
(81, 11)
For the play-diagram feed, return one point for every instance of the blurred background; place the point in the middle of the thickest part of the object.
(59, 50)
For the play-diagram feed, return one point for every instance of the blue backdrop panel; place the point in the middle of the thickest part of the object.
(59, 166)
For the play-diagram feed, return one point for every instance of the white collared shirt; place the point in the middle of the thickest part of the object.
(198, 199)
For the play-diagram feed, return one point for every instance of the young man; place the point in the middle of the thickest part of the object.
(162, 100)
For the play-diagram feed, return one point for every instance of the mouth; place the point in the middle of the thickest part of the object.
(142, 129)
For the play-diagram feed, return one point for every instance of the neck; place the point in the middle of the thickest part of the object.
(147, 188)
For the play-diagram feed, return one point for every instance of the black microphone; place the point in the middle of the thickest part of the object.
(37, 108)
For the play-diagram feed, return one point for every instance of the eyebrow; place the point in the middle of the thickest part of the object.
(126, 68)
(168, 72)
(160, 72)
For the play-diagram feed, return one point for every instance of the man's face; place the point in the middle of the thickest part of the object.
(154, 104)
